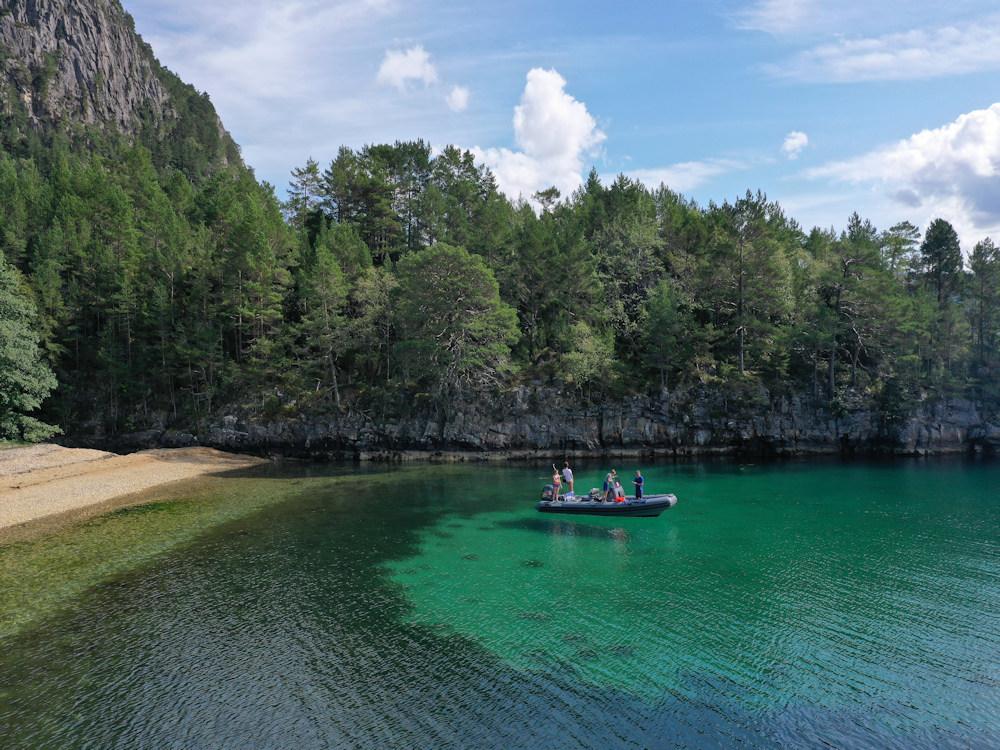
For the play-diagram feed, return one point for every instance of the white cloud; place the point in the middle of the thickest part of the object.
(399, 67)
(952, 171)
(688, 175)
(458, 99)
(553, 132)
(921, 53)
(777, 16)
(288, 78)
(294, 78)
(794, 19)
(794, 143)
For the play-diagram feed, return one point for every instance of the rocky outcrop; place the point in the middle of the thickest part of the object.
(537, 422)
(79, 61)
(75, 65)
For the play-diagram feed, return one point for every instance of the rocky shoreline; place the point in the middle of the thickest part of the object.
(516, 427)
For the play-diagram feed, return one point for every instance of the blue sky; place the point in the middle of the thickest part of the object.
(829, 107)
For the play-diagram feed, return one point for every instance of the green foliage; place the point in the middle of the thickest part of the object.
(628, 251)
(670, 338)
(455, 333)
(25, 379)
(168, 284)
(323, 298)
(899, 248)
(372, 329)
(942, 259)
(983, 309)
(589, 361)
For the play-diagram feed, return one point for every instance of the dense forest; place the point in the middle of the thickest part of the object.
(162, 284)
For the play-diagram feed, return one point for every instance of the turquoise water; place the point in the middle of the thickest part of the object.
(778, 605)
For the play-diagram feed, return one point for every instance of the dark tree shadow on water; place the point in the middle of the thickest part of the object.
(286, 629)
(566, 528)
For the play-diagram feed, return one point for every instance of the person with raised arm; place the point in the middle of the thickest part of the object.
(556, 483)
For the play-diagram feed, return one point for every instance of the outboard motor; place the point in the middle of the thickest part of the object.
(548, 493)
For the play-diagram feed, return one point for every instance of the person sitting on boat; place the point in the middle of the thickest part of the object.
(567, 475)
(619, 492)
(556, 483)
(639, 481)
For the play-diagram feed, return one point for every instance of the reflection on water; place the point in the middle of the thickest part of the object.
(561, 528)
(776, 606)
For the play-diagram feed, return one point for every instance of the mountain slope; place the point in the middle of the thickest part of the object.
(78, 66)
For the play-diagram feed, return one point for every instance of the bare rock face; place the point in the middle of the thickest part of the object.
(79, 61)
(544, 422)
(78, 66)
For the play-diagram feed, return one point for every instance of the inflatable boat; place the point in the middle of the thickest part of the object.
(648, 507)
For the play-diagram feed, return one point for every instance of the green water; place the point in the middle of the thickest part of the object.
(778, 605)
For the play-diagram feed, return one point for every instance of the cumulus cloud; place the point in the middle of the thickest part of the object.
(553, 132)
(458, 98)
(399, 67)
(289, 78)
(688, 175)
(952, 171)
(794, 143)
(916, 54)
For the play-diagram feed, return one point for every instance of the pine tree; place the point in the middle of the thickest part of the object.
(455, 332)
(305, 196)
(941, 254)
(984, 300)
(942, 259)
(670, 338)
(323, 327)
(899, 246)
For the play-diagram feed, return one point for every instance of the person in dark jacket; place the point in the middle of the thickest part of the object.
(639, 481)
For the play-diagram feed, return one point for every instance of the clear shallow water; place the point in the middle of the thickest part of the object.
(785, 605)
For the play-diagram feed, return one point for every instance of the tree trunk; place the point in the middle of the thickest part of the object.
(980, 325)
(739, 314)
(854, 365)
(239, 318)
(333, 379)
(815, 369)
(741, 340)
(833, 347)
(832, 373)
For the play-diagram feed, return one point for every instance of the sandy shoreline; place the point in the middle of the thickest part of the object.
(39, 481)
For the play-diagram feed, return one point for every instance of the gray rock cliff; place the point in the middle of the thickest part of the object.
(79, 61)
(72, 64)
(542, 422)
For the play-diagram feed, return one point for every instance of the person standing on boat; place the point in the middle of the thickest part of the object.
(639, 481)
(609, 486)
(567, 475)
(556, 482)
